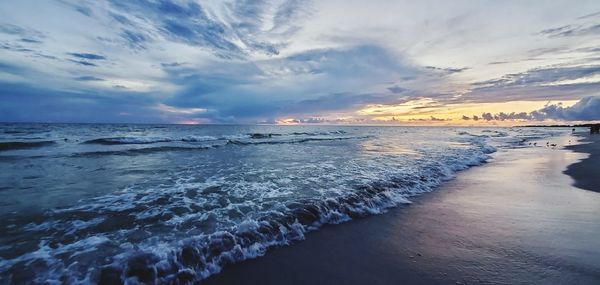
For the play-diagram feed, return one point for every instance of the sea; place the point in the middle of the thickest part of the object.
(175, 204)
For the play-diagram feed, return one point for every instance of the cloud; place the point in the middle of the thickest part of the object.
(572, 30)
(259, 61)
(513, 116)
(31, 41)
(134, 39)
(12, 29)
(47, 105)
(185, 111)
(541, 76)
(544, 83)
(15, 47)
(487, 116)
(88, 56)
(13, 69)
(297, 85)
(448, 70)
(586, 109)
(396, 89)
(83, 62)
(592, 15)
(430, 119)
(230, 31)
(85, 58)
(339, 102)
(88, 78)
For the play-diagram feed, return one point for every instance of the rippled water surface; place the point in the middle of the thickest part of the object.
(174, 204)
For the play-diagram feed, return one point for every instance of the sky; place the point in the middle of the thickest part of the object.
(300, 62)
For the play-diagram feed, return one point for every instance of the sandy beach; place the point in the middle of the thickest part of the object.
(516, 220)
(586, 172)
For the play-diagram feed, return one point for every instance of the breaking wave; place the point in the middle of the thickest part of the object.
(209, 142)
(183, 233)
(24, 145)
(219, 195)
(191, 138)
(127, 140)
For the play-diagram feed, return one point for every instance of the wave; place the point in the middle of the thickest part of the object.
(192, 138)
(271, 135)
(218, 143)
(105, 221)
(198, 138)
(294, 141)
(23, 145)
(138, 151)
(14, 132)
(127, 140)
(263, 135)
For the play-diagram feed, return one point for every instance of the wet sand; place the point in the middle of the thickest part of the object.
(586, 173)
(517, 220)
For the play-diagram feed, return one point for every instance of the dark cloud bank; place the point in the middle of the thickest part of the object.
(587, 109)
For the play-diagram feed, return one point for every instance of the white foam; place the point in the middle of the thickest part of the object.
(253, 207)
(198, 138)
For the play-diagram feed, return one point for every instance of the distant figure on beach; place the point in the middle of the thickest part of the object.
(595, 129)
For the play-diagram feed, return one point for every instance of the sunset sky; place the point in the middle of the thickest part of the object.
(289, 62)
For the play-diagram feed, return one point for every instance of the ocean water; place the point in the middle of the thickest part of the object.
(110, 204)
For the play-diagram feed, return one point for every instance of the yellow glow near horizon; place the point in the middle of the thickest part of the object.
(430, 112)
(423, 110)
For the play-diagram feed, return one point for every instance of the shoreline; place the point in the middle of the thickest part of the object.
(586, 172)
(476, 228)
